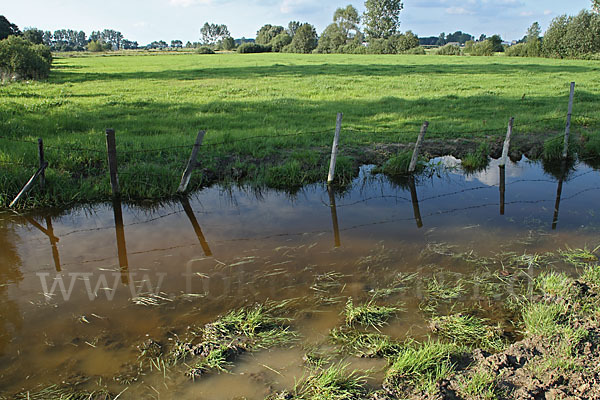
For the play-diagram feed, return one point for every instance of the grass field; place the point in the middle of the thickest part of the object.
(161, 101)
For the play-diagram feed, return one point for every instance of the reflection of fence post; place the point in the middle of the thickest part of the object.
(504, 157)
(49, 231)
(415, 201)
(415, 156)
(568, 127)
(334, 219)
(191, 165)
(42, 162)
(185, 203)
(111, 149)
(121, 245)
(563, 171)
(502, 187)
(334, 148)
(53, 241)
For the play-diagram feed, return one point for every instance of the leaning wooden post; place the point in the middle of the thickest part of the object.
(187, 174)
(568, 127)
(504, 157)
(111, 149)
(415, 156)
(28, 185)
(42, 162)
(334, 148)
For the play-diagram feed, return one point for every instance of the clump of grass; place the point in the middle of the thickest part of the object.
(554, 283)
(441, 290)
(332, 383)
(422, 366)
(398, 165)
(238, 331)
(579, 257)
(469, 330)
(591, 147)
(476, 161)
(591, 275)
(368, 314)
(64, 392)
(481, 384)
(553, 148)
(364, 344)
(542, 319)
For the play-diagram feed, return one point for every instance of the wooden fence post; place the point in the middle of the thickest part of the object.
(187, 174)
(568, 127)
(29, 184)
(415, 156)
(504, 157)
(41, 156)
(334, 148)
(111, 149)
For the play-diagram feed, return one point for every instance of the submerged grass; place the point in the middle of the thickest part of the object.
(364, 344)
(368, 314)
(469, 330)
(332, 383)
(287, 102)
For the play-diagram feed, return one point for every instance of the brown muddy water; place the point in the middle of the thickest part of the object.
(81, 289)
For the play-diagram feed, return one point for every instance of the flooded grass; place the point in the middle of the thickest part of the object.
(261, 297)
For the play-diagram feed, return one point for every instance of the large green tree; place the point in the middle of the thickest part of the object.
(382, 18)
(267, 33)
(34, 35)
(304, 41)
(347, 19)
(7, 29)
(596, 5)
(213, 33)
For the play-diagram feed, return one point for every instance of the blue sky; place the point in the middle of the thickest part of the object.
(148, 20)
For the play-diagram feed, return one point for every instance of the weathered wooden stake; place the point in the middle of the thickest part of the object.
(334, 148)
(111, 148)
(415, 156)
(568, 127)
(504, 157)
(28, 185)
(41, 155)
(187, 174)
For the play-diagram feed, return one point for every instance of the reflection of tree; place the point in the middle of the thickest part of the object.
(10, 273)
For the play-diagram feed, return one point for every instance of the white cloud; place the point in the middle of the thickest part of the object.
(526, 13)
(548, 12)
(458, 11)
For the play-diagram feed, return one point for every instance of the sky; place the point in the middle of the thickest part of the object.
(147, 20)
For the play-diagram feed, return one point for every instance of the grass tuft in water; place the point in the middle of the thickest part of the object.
(469, 330)
(421, 366)
(441, 290)
(476, 161)
(368, 314)
(553, 148)
(398, 164)
(554, 284)
(332, 383)
(364, 344)
(241, 330)
(579, 257)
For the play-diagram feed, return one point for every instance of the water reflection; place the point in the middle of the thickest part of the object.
(121, 245)
(11, 321)
(185, 203)
(334, 218)
(563, 172)
(415, 201)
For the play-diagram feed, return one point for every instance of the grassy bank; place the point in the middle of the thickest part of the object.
(269, 117)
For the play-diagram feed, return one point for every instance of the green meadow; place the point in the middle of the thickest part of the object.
(269, 118)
